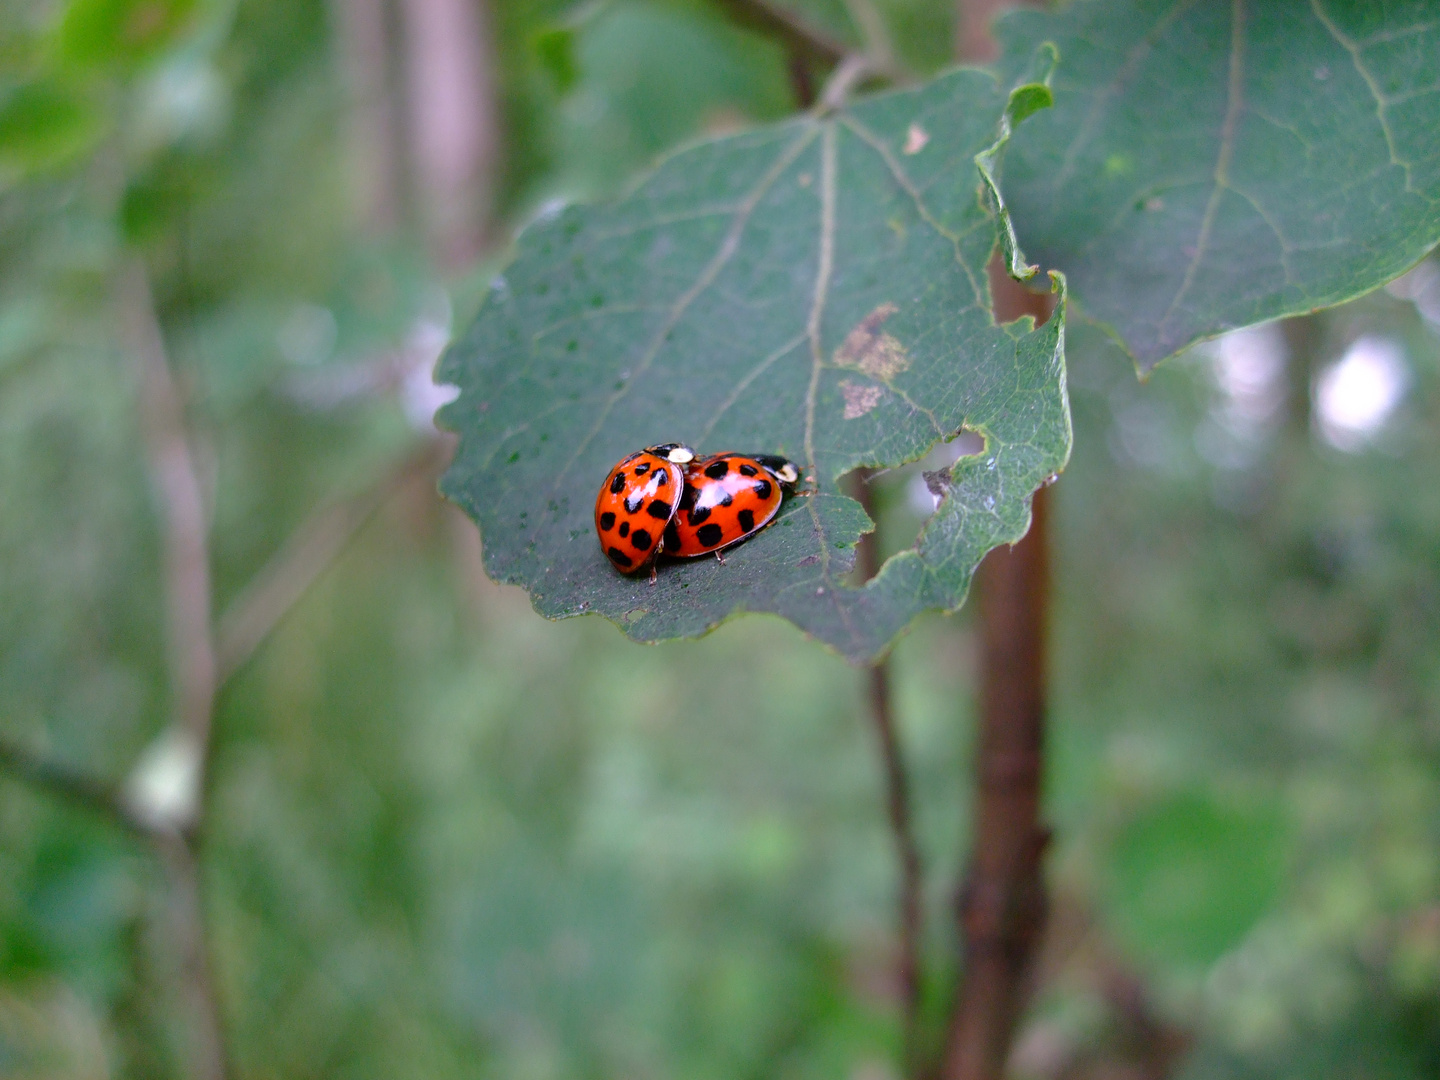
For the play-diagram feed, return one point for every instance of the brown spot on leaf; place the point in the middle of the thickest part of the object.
(869, 349)
(860, 398)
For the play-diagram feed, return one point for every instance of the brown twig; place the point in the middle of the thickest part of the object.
(365, 57)
(897, 808)
(453, 122)
(797, 36)
(910, 908)
(193, 666)
(1001, 909)
(186, 924)
(72, 785)
(807, 48)
(183, 514)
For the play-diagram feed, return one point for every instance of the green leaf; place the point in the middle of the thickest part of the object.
(555, 49)
(46, 124)
(106, 33)
(1208, 166)
(1192, 875)
(815, 288)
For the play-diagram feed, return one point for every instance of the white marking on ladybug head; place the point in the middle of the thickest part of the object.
(681, 455)
(787, 473)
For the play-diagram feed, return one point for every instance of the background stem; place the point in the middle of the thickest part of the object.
(910, 913)
(185, 526)
(1001, 908)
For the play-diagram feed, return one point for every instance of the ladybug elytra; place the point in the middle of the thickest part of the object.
(727, 498)
(637, 501)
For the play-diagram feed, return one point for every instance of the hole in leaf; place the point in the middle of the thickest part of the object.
(901, 500)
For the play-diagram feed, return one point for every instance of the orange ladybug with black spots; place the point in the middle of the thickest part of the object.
(727, 498)
(637, 501)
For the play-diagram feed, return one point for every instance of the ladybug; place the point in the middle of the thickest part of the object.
(637, 501)
(727, 497)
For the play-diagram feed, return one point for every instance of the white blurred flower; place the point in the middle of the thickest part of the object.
(1249, 371)
(185, 97)
(420, 395)
(1356, 395)
(163, 790)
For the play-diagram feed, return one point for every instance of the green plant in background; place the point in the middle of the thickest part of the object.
(439, 836)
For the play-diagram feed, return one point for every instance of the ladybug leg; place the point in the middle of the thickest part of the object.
(653, 572)
(720, 558)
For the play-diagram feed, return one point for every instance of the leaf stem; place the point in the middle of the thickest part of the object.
(194, 669)
(910, 903)
(184, 516)
(795, 34)
(72, 785)
(853, 70)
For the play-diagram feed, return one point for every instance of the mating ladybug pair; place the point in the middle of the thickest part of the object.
(665, 499)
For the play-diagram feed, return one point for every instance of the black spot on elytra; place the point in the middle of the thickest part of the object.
(642, 468)
(763, 489)
(662, 478)
(710, 535)
(687, 500)
(747, 520)
(672, 537)
(717, 469)
(619, 558)
(624, 528)
(607, 521)
(641, 539)
(617, 484)
(697, 516)
(632, 505)
(728, 499)
(659, 510)
(748, 470)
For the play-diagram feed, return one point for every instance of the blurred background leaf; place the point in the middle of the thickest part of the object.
(449, 838)
(1209, 166)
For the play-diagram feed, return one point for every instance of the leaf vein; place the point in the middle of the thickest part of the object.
(729, 245)
(740, 387)
(824, 266)
(903, 181)
(1381, 102)
(1136, 56)
(1234, 99)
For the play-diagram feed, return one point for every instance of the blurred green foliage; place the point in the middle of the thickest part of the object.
(447, 838)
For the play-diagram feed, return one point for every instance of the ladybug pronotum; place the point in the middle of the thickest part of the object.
(637, 501)
(727, 498)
